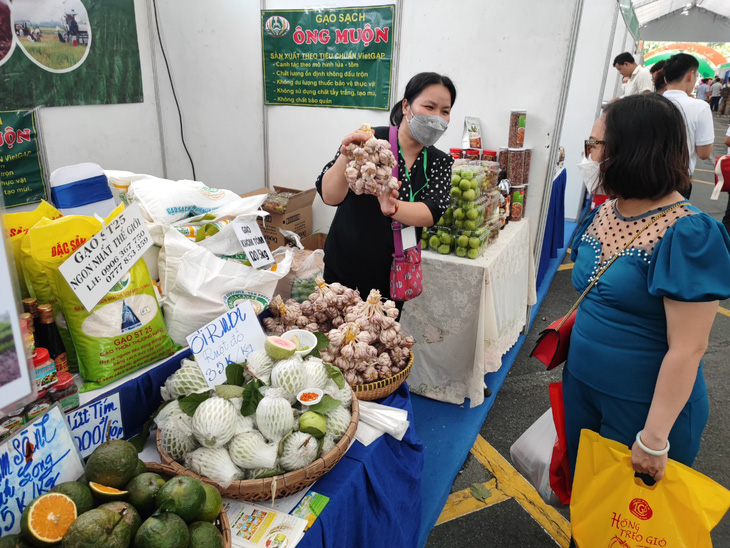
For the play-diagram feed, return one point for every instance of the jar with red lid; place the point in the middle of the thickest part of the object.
(472, 154)
(489, 155)
(45, 369)
(456, 153)
(65, 392)
(41, 404)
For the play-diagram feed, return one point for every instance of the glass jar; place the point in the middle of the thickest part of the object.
(65, 392)
(45, 369)
(489, 155)
(42, 404)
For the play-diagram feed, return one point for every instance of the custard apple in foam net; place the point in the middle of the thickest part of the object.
(250, 450)
(315, 373)
(328, 443)
(337, 421)
(171, 410)
(243, 424)
(214, 463)
(342, 394)
(187, 380)
(260, 364)
(214, 422)
(274, 415)
(258, 473)
(177, 438)
(288, 375)
(299, 450)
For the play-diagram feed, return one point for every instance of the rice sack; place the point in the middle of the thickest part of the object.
(125, 330)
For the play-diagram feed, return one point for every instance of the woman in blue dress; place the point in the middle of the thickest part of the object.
(634, 370)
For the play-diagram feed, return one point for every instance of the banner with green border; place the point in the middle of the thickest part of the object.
(21, 171)
(328, 57)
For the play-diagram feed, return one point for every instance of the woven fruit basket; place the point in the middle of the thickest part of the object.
(256, 490)
(385, 387)
(221, 523)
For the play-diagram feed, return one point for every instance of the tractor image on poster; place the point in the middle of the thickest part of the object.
(72, 32)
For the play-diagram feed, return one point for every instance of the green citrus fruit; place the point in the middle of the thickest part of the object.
(205, 535)
(142, 492)
(77, 492)
(167, 530)
(186, 496)
(141, 467)
(98, 527)
(103, 493)
(129, 514)
(13, 541)
(113, 464)
(212, 505)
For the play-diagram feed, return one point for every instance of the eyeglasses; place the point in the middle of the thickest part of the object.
(588, 144)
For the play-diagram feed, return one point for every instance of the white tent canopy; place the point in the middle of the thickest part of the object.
(683, 20)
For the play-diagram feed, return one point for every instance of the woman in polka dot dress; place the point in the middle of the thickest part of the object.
(634, 370)
(359, 247)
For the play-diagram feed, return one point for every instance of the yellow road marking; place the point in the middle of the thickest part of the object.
(705, 170)
(566, 266)
(703, 182)
(513, 485)
(723, 311)
(462, 502)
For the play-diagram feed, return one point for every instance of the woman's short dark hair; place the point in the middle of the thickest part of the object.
(414, 88)
(645, 151)
(678, 65)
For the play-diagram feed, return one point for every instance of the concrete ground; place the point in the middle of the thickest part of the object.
(514, 518)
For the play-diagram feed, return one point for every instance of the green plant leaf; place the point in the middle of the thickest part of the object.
(326, 404)
(322, 343)
(190, 403)
(479, 492)
(335, 374)
(280, 449)
(269, 474)
(140, 439)
(234, 374)
(251, 397)
(320, 443)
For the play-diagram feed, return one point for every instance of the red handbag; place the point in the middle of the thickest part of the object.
(553, 343)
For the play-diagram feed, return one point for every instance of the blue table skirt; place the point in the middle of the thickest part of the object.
(374, 491)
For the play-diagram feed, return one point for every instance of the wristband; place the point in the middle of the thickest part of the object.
(648, 451)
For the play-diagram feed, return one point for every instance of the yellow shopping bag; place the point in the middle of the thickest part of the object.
(610, 508)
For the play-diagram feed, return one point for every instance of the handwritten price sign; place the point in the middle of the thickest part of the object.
(33, 462)
(252, 241)
(89, 424)
(230, 338)
(94, 268)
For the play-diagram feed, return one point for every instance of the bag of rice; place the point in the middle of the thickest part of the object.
(16, 225)
(205, 286)
(125, 330)
(164, 202)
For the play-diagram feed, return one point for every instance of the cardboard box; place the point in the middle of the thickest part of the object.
(315, 241)
(296, 218)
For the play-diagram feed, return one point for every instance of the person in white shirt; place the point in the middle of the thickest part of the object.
(715, 97)
(703, 90)
(680, 73)
(726, 217)
(639, 78)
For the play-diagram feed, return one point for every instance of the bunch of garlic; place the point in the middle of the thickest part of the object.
(323, 310)
(370, 169)
(370, 346)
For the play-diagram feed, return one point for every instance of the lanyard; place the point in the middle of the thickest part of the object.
(408, 175)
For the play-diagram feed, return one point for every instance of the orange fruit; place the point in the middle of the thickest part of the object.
(106, 493)
(47, 518)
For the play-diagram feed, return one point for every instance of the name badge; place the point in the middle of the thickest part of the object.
(408, 235)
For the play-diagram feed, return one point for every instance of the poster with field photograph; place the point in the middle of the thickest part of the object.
(15, 382)
(68, 52)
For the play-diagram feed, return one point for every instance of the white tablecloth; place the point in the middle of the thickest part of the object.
(471, 312)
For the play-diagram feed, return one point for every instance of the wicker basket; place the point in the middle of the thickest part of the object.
(380, 389)
(287, 484)
(221, 523)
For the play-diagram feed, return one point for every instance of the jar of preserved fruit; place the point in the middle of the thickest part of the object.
(65, 392)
